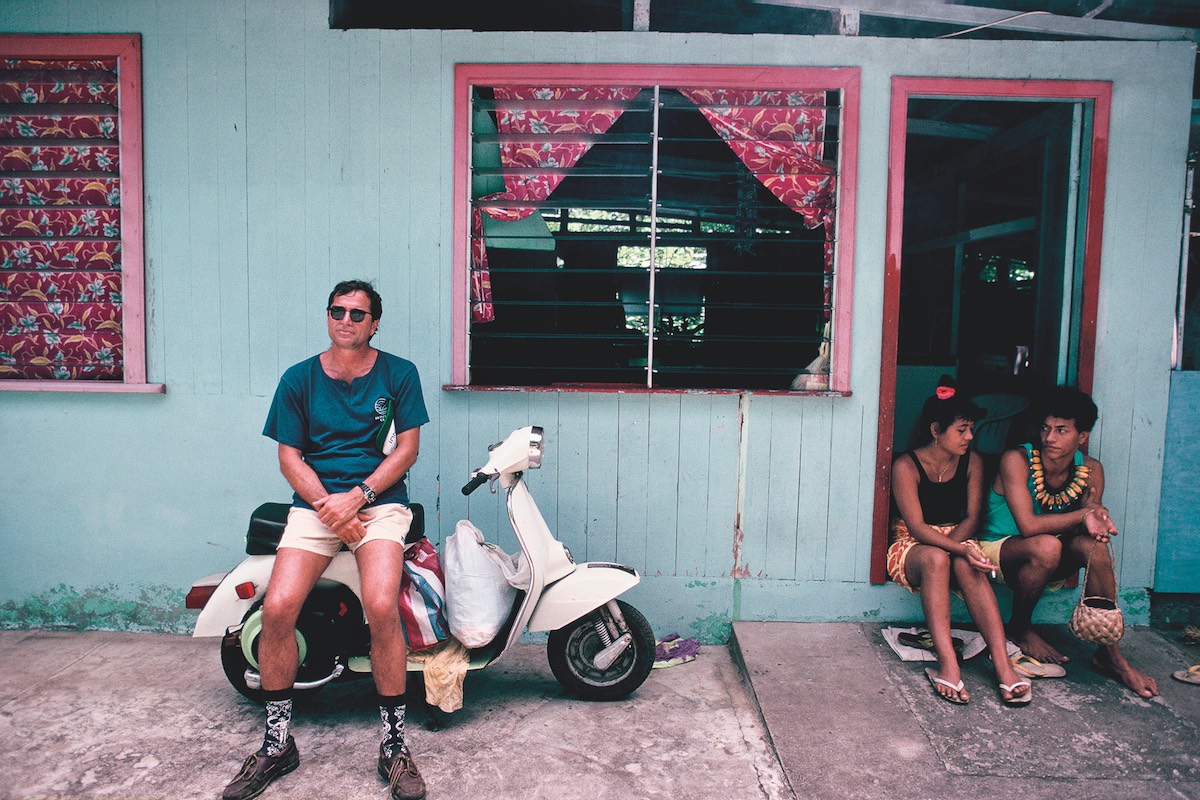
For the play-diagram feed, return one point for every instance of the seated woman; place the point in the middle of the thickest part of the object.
(938, 489)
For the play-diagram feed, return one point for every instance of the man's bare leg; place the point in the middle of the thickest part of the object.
(1110, 661)
(1102, 582)
(293, 575)
(380, 563)
(1029, 564)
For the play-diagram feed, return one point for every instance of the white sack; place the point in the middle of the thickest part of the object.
(479, 595)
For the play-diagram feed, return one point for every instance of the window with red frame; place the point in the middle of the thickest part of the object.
(71, 281)
(661, 234)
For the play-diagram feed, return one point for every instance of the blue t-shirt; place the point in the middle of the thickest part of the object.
(334, 423)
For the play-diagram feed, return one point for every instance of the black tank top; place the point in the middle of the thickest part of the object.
(943, 503)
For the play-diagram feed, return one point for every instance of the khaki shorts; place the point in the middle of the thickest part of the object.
(305, 531)
(991, 550)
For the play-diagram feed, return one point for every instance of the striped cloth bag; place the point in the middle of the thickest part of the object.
(423, 597)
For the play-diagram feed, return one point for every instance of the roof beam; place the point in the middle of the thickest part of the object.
(949, 13)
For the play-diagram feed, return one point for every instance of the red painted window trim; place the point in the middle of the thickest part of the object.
(127, 48)
(845, 79)
(1100, 94)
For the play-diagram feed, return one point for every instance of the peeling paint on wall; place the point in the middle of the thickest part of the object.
(158, 609)
(713, 629)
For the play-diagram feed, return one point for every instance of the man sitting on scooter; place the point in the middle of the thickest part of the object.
(330, 416)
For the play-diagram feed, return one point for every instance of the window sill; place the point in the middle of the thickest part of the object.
(623, 388)
(111, 387)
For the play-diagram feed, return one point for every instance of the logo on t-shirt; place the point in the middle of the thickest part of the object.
(385, 436)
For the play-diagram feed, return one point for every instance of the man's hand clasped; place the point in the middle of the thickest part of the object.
(340, 513)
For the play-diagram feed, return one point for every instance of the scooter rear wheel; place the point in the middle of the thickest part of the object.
(572, 649)
(235, 663)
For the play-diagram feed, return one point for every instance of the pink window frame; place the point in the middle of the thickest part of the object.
(903, 88)
(127, 49)
(844, 79)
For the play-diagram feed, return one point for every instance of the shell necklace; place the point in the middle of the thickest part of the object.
(1056, 501)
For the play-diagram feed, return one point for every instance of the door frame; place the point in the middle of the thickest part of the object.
(1099, 93)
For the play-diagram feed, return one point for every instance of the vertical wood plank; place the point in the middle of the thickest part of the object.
(756, 480)
(602, 478)
(782, 479)
(632, 502)
(571, 452)
(202, 288)
(665, 491)
(696, 528)
(850, 524)
(167, 210)
(819, 487)
(306, 258)
(233, 290)
(724, 443)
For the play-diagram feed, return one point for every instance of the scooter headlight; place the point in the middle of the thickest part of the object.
(535, 447)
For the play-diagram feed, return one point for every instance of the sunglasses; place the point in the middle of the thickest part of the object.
(356, 314)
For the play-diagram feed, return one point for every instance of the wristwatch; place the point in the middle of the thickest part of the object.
(368, 492)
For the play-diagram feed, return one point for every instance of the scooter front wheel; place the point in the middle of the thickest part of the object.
(572, 652)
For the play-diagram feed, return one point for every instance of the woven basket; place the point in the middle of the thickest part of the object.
(1097, 619)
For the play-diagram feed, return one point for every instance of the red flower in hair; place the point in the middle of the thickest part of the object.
(945, 392)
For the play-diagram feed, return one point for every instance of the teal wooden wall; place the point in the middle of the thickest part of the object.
(1178, 566)
(281, 156)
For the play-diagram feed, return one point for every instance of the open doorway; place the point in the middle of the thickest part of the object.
(994, 213)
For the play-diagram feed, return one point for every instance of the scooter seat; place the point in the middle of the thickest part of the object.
(266, 526)
(268, 521)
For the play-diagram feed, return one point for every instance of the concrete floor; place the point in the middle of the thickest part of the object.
(807, 710)
(849, 719)
(124, 715)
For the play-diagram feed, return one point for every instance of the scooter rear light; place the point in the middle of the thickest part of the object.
(245, 590)
(198, 596)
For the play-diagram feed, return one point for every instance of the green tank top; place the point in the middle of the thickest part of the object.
(1000, 522)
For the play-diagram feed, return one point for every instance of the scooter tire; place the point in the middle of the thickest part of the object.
(234, 662)
(570, 650)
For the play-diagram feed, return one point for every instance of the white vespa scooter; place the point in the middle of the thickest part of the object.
(599, 647)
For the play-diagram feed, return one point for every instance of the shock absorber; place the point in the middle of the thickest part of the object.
(602, 630)
(612, 649)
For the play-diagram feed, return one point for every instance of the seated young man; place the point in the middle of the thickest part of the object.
(1045, 517)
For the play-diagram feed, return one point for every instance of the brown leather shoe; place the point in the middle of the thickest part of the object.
(259, 770)
(400, 771)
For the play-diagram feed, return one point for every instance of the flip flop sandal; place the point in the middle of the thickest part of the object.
(1189, 675)
(923, 640)
(1016, 699)
(934, 680)
(1030, 667)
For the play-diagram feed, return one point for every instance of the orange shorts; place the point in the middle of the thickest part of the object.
(897, 553)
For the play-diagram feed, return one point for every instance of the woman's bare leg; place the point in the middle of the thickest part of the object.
(929, 568)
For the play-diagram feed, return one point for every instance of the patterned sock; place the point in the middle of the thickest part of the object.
(391, 711)
(279, 718)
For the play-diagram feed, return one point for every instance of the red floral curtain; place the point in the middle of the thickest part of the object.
(541, 114)
(60, 197)
(780, 137)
